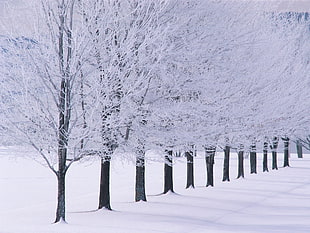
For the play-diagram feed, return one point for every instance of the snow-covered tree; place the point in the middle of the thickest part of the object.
(130, 39)
(42, 93)
(107, 77)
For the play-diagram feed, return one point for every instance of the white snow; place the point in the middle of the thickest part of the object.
(277, 201)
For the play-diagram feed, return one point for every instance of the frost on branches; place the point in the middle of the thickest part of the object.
(119, 78)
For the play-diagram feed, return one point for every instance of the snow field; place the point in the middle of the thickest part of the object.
(277, 201)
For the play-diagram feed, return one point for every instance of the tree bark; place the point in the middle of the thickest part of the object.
(274, 148)
(62, 158)
(241, 162)
(286, 151)
(210, 153)
(190, 169)
(64, 106)
(104, 193)
(61, 204)
(63, 134)
(265, 159)
(168, 173)
(140, 177)
(226, 164)
(64, 119)
(274, 160)
(253, 159)
(299, 149)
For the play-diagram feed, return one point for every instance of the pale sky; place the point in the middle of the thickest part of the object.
(295, 5)
(18, 17)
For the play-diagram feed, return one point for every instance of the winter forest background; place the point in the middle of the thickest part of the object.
(151, 83)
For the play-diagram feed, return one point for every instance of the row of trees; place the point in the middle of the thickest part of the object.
(210, 153)
(114, 78)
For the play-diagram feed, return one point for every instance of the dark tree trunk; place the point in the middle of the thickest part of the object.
(190, 169)
(210, 153)
(61, 205)
(140, 177)
(286, 141)
(64, 106)
(104, 193)
(299, 149)
(274, 148)
(63, 129)
(265, 159)
(253, 159)
(168, 173)
(226, 164)
(274, 160)
(62, 168)
(241, 162)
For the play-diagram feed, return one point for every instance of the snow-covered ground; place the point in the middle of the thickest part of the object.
(278, 201)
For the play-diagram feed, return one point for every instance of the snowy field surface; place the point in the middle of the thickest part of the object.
(278, 201)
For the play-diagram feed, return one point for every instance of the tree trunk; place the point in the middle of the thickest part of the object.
(61, 204)
(226, 164)
(190, 169)
(140, 177)
(210, 153)
(61, 173)
(253, 159)
(299, 149)
(286, 151)
(104, 195)
(274, 160)
(265, 159)
(168, 173)
(274, 148)
(63, 129)
(241, 162)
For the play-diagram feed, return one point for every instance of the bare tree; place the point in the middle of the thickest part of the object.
(44, 94)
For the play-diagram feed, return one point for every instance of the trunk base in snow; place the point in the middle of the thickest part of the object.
(168, 173)
(104, 196)
(286, 151)
(240, 164)
(209, 157)
(140, 179)
(190, 169)
(226, 164)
